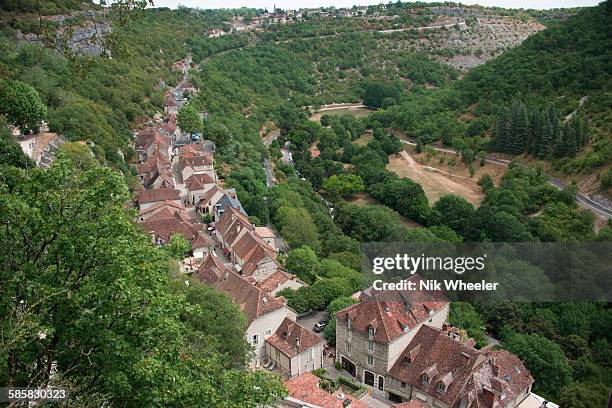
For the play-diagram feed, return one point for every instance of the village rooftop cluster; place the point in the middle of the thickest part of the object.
(391, 344)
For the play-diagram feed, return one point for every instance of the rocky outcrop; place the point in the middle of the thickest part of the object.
(468, 37)
(86, 38)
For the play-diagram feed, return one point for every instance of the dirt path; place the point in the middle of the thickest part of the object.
(357, 109)
(435, 182)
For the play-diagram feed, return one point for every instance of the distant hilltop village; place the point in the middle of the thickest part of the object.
(378, 12)
(279, 16)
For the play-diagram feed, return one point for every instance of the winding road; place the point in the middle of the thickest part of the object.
(582, 199)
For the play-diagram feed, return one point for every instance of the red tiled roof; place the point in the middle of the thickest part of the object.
(230, 230)
(392, 313)
(211, 270)
(152, 163)
(198, 181)
(157, 139)
(192, 150)
(164, 207)
(227, 219)
(306, 388)
(160, 194)
(275, 280)
(251, 248)
(143, 137)
(253, 301)
(410, 404)
(164, 228)
(201, 241)
(292, 338)
(207, 196)
(466, 372)
(200, 160)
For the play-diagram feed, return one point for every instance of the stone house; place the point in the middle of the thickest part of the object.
(162, 209)
(207, 202)
(148, 198)
(264, 313)
(197, 185)
(294, 348)
(439, 370)
(371, 335)
(201, 164)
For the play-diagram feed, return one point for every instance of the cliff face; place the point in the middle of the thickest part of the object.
(84, 38)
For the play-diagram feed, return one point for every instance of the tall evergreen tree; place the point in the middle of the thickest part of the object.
(577, 133)
(501, 131)
(519, 128)
(546, 140)
(535, 132)
(585, 131)
(561, 145)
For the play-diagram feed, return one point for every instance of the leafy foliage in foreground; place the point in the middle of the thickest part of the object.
(86, 294)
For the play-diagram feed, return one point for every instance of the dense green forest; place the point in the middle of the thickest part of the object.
(554, 68)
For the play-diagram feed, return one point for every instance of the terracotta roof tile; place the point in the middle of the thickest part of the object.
(410, 404)
(198, 181)
(159, 194)
(464, 371)
(251, 248)
(205, 159)
(306, 388)
(276, 279)
(164, 228)
(207, 196)
(201, 241)
(211, 270)
(392, 313)
(292, 338)
(168, 205)
(253, 301)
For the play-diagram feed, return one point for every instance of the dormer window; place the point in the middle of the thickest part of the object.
(441, 387)
(425, 379)
(370, 332)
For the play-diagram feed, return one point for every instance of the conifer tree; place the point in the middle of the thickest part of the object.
(501, 131)
(585, 131)
(519, 128)
(577, 133)
(545, 141)
(571, 140)
(535, 132)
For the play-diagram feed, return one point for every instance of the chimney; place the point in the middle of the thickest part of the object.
(489, 396)
(496, 384)
(495, 370)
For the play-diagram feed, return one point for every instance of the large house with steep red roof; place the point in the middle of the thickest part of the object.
(371, 335)
(264, 312)
(295, 349)
(161, 209)
(155, 172)
(442, 371)
(200, 164)
(148, 198)
(197, 185)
